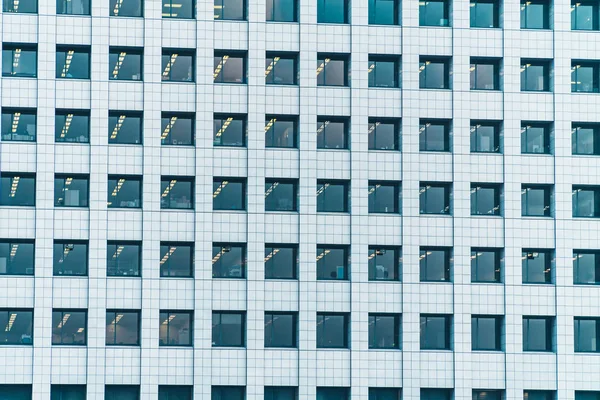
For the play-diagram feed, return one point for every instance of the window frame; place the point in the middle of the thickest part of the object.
(169, 14)
(526, 63)
(322, 122)
(447, 64)
(64, 312)
(221, 18)
(372, 190)
(322, 251)
(118, 114)
(11, 243)
(117, 50)
(448, 267)
(424, 187)
(169, 312)
(270, 120)
(475, 125)
(170, 244)
(374, 250)
(397, 320)
(346, 330)
(118, 243)
(272, 19)
(168, 179)
(374, 122)
(498, 199)
(272, 314)
(446, 14)
(166, 137)
(169, 52)
(322, 68)
(550, 321)
(12, 47)
(594, 190)
(323, 3)
(60, 48)
(498, 332)
(373, 12)
(546, 23)
(549, 265)
(547, 136)
(285, 181)
(225, 120)
(280, 55)
(448, 332)
(7, 10)
(576, 85)
(243, 326)
(139, 326)
(575, 4)
(495, 16)
(236, 180)
(67, 242)
(116, 178)
(65, 113)
(577, 255)
(548, 200)
(577, 335)
(224, 245)
(63, 178)
(56, 391)
(13, 310)
(346, 197)
(475, 62)
(498, 264)
(269, 258)
(13, 111)
(224, 394)
(425, 144)
(165, 394)
(230, 54)
(384, 58)
(576, 128)
(110, 395)
(12, 176)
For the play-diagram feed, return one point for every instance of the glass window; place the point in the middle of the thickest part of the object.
(280, 131)
(72, 126)
(19, 125)
(333, 393)
(537, 333)
(126, 8)
(178, 129)
(486, 332)
(229, 260)
(19, 60)
(67, 392)
(332, 262)
(435, 332)
(384, 197)
(17, 190)
(71, 190)
(175, 328)
(384, 71)
(538, 395)
(73, 7)
(332, 196)
(229, 194)
(21, 7)
(16, 392)
(17, 257)
(435, 264)
(124, 127)
(281, 393)
(228, 393)
(537, 266)
(535, 137)
(281, 195)
(73, 62)
(177, 192)
(282, 11)
(536, 200)
(69, 327)
(125, 63)
(434, 13)
(385, 263)
(586, 267)
(70, 258)
(281, 261)
(484, 72)
(484, 14)
(332, 330)
(585, 139)
(228, 329)
(280, 329)
(485, 199)
(535, 75)
(385, 394)
(230, 10)
(229, 130)
(434, 73)
(122, 392)
(384, 12)
(281, 69)
(384, 134)
(332, 69)
(586, 201)
(230, 67)
(486, 265)
(587, 395)
(384, 331)
(122, 328)
(182, 9)
(178, 65)
(485, 137)
(434, 135)
(585, 76)
(175, 392)
(535, 14)
(176, 259)
(434, 198)
(584, 15)
(18, 327)
(587, 337)
(332, 11)
(487, 394)
(124, 191)
(123, 258)
(332, 133)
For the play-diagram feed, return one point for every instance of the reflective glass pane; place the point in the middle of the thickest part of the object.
(126, 8)
(332, 263)
(177, 129)
(535, 14)
(124, 128)
(18, 327)
(383, 12)
(332, 330)
(229, 69)
(434, 199)
(230, 9)
(176, 259)
(280, 196)
(535, 139)
(123, 259)
(484, 138)
(485, 200)
(73, 7)
(384, 263)
(483, 14)
(434, 136)
(331, 134)
(485, 333)
(19, 125)
(535, 201)
(383, 135)
(178, 9)
(72, 63)
(485, 266)
(332, 196)
(178, 65)
(67, 392)
(17, 257)
(584, 16)
(281, 10)
(280, 262)
(331, 11)
(17, 190)
(537, 334)
(280, 330)
(434, 265)
(71, 191)
(229, 130)
(435, 332)
(175, 328)
(384, 331)
(433, 13)
(71, 127)
(69, 327)
(280, 132)
(229, 261)
(122, 328)
(433, 74)
(177, 193)
(384, 197)
(383, 73)
(331, 72)
(20, 6)
(19, 61)
(534, 77)
(537, 266)
(229, 195)
(587, 335)
(124, 192)
(70, 258)
(125, 64)
(228, 329)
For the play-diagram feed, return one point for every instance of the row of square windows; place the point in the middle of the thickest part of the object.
(229, 261)
(185, 392)
(483, 13)
(281, 68)
(69, 327)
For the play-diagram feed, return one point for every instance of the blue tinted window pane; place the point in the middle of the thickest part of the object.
(69, 327)
(17, 6)
(17, 257)
(332, 11)
(70, 258)
(537, 266)
(178, 66)
(125, 64)
(178, 130)
(332, 330)
(123, 259)
(72, 127)
(484, 14)
(124, 128)
(175, 328)
(332, 196)
(126, 8)
(383, 12)
(433, 13)
(535, 14)
(19, 125)
(229, 195)
(435, 332)
(17, 190)
(21, 331)
(121, 392)
(183, 9)
(230, 9)
(73, 7)
(176, 259)
(332, 263)
(228, 329)
(281, 10)
(124, 192)
(67, 392)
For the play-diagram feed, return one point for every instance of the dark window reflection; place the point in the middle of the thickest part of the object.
(125, 63)
(535, 138)
(183, 9)
(485, 137)
(384, 331)
(73, 7)
(486, 332)
(586, 201)
(280, 329)
(537, 333)
(434, 73)
(384, 197)
(175, 328)
(434, 135)
(67, 392)
(586, 267)
(332, 11)
(124, 127)
(177, 192)
(70, 258)
(19, 125)
(434, 13)
(69, 327)
(17, 190)
(332, 196)
(384, 72)
(19, 60)
(281, 393)
(177, 259)
(332, 133)
(228, 329)
(535, 76)
(486, 265)
(584, 15)
(19, 6)
(178, 129)
(124, 191)
(17, 257)
(175, 392)
(435, 332)
(537, 266)
(72, 62)
(535, 14)
(332, 262)
(281, 261)
(18, 327)
(585, 139)
(536, 201)
(485, 199)
(123, 258)
(229, 68)
(332, 330)
(484, 74)
(282, 10)
(587, 336)
(228, 392)
(436, 394)
(122, 392)
(280, 195)
(229, 260)
(122, 328)
(386, 394)
(72, 126)
(484, 14)
(71, 190)
(230, 10)
(434, 198)
(435, 264)
(384, 12)
(384, 134)
(280, 131)
(385, 263)
(281, 69)
(178, 65)
(585, 77)
(332, 70)
(229, 194)
(126, 8)
(229, 130)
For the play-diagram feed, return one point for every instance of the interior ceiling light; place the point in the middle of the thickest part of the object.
(17, 54)
(321, 67)
(67, 65)
(220, 66)
(117, 319)
(322, 127)
(11, 321)
(271, 254)
(115, 72)
(322, 189)
(15, 122)
(224, 126)
(117, 8)
(171, 317)
(169, 187)
(271, 188)
(270, 124)
(168, 254)
(66, 126)
(220, 188)
(118, 186)
(15, 5)
(118, 252)
(168, 128)
(373, 126)
(64, 321)
(170, 65)
(118, 126)
(14, 185)
(323, 254)
(271, 65)
(13, 250)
